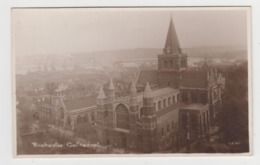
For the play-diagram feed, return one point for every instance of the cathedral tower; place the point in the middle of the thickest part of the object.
(172, 61)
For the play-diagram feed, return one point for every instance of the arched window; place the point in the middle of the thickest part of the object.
(169, 101)
(122, 117)
(159, 105)
(173, 99)
(164, 103)
(85, 118)
(194, 97)
(171, 64)
(165, 64)
(203, 98)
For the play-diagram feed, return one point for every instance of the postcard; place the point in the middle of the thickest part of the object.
(131, 81)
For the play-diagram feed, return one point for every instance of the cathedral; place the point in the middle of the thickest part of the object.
(165, 107)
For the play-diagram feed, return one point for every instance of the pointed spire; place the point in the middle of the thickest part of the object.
(132, 87)
(101, 94)
(147, 91)
(172, 45)
(111, 85)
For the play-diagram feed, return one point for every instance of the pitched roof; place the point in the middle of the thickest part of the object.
(80, 103)
(163, 91)
(194, 79)
(172, 44)
(168, 109)
(147, 76)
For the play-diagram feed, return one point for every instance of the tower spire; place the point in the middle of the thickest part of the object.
(147, 91)
(111, 85)
(101, 94)
(132, 87)
(172, 45)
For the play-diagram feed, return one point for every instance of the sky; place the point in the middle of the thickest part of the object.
(70, 30)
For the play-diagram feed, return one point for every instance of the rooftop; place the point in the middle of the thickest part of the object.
(168, 109)
(147, 76)
(80, 103)
(163, 91)
(194, 79)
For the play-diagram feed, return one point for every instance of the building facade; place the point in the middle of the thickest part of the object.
(165, 107)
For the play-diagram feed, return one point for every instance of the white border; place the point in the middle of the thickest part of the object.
(5, 70)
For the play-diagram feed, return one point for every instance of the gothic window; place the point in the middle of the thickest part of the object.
(169, 101)
(168, 128)
(173, 99)
(165, 64)
(203, 98)
(194, 123)
(193, 97)
(122, 117)
(184, 121)
(171, 64)
(164, 102)
(68, 121)
(178, 97)
(92, 116)
(184, 97)
(159, 105)
(79, 119)
(85, 118)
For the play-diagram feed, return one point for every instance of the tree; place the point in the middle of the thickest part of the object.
(233, 119)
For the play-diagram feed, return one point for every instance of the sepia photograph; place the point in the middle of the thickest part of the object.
(126, 81)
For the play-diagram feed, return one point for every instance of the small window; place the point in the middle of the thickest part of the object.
(159, 105)
(164, 102)
(178, 97)
(165, 64)
(173, 99)
(168, 128)
(169, 101)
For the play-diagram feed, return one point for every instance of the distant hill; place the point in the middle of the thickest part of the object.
(112, 56)
(224, 52)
